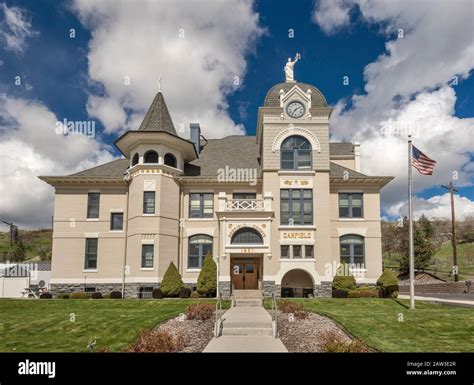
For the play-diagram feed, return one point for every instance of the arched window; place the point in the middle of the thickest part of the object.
(246, 236)
(199, 246)
(352, 249)
(150, 157)
(295, 153)
(135, 159)
(170, 160)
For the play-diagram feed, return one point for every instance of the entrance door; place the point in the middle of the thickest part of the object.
(244, 275)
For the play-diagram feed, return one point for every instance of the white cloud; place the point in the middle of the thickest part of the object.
(331, 15)
(407, 90)
(142, 43)
(438, 206)
(30, 147)
(15, 28)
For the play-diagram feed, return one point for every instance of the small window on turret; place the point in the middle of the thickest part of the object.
(170, 160)
(150, 157)
(135, 159)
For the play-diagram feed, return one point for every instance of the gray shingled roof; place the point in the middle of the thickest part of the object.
(158, 117)
(233, 151)
(341, 148)
(337, 171)
(113, 169)
(273, 96)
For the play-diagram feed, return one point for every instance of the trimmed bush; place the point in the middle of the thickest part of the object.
(46, 295)
(344, 282)
(172, 282)
(97, 295)
(79, 295)
(369, 292)
(158, 341)
(185, 292)
(157, 294)
(388, 284)
(200, 311)
(340, 293)
(195, 294)
(207, 280)
(63, 295)
(353, 294)
(115, 294)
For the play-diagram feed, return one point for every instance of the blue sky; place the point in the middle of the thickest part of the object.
(70, 78)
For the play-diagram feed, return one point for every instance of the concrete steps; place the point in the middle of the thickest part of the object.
(242, 294)
(252, 302)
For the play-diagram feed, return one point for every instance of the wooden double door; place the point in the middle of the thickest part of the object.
(244, 273)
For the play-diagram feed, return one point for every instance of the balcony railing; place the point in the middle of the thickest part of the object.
(246, 205)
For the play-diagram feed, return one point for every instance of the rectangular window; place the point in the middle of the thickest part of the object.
(91, 254)
(148, 202)
(89, 289)
(351, 205)
(147, 256)
(296, 207)
(116, 221)
(309, 252)
(145, 292)
(297, 252)
(201, 205)
(285, 252)
(93, 204)
(244, 196)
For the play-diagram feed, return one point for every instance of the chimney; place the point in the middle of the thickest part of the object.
(357, 156)
(195, 136)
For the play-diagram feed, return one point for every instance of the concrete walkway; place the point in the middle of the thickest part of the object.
(444, 301)
(247, 327)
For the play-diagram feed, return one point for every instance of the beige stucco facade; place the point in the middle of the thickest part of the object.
(170, 229)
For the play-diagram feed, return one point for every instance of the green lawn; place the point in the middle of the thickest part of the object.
(428, 328)
(46, 326)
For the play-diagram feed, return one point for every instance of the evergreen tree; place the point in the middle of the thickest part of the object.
(172, 282)
(207, 280)
(18, 251)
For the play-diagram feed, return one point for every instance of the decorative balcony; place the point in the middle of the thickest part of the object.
(245, 205)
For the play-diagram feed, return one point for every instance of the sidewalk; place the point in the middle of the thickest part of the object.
(443, 301)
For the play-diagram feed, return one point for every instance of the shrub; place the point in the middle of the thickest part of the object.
(157, 294)
(97, 295)
(207, 280)
(340, 293)
(195, 294)
(200, 311)
(115, 294)
(388, 283)
(369, 292)
(293, 308)
(46, 295)
(333, 342)
(185, 292)
(344, 282)
(158, 341)
(79, 295)
(172, 282)
(63, 295)
(353, 294)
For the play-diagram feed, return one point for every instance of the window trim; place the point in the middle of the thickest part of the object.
(290, 208)
(296, 155)
(89, 194)
(87, 255)
(111, 220)
(246, 230)
(144, 202)
(149, 152)
(142, 259)
(201, 254)
(201, 205)
(350, 212)
(351, 248)
(175, 160)
(291, 257)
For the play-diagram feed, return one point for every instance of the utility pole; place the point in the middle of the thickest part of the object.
(453, 230)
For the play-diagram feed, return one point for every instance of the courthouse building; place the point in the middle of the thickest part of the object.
(279, 211)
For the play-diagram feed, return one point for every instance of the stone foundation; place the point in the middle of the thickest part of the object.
(131, 289)
(270, 287)
(224, 289)
(323, 290)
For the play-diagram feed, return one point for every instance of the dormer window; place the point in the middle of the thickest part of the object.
(150, 157)
(295, 153)
(170, 160)
(135, 159)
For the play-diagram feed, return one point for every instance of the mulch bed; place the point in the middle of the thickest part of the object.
(305, 335)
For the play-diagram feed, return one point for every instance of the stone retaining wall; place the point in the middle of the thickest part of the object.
(437, 288)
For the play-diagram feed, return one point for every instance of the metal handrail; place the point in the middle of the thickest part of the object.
(274, 316)
(218, 315)
(232, 297)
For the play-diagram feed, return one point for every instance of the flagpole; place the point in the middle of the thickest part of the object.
(410, 216)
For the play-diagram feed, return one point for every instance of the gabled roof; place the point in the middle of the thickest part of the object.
(158, 117)
(113, 169)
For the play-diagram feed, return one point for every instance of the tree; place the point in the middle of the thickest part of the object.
(18, 251)
(172, 282)
(423, 251)
(207, 280)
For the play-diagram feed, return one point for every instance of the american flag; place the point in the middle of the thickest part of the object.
(421, 162)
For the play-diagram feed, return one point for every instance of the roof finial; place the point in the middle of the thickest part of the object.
(159, 84)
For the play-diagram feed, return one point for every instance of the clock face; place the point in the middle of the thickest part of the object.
(295, 109)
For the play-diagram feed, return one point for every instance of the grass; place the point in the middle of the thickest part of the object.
(428, 328)
(37, 243)
(48, 325)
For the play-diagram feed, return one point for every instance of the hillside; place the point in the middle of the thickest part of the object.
(37, 243)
